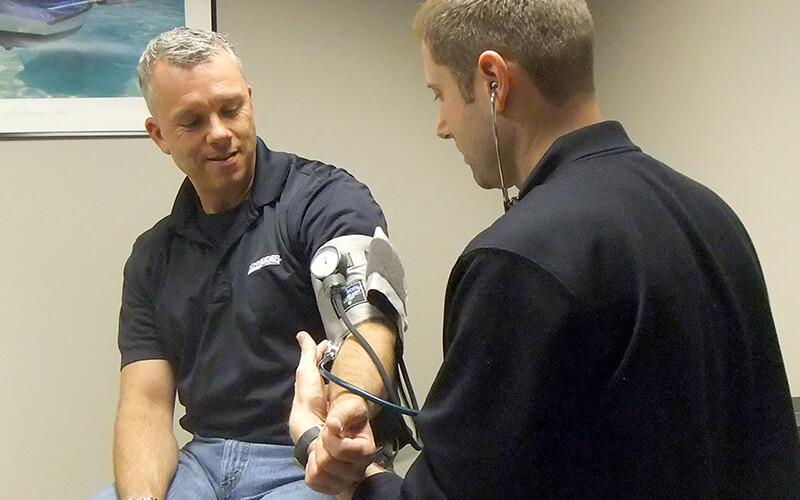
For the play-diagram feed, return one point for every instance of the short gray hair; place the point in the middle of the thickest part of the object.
(184, 47)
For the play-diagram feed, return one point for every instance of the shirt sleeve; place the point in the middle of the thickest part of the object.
(501, 406)
(338, 205)
(138, 338)
(385, 485)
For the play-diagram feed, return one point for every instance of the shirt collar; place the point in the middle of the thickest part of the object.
(272, 169)
(270, 175)
(595, 139)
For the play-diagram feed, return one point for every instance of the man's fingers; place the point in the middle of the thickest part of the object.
(310, 403)
(342, 469)
(310, 350)
(348, 416)
(356, 449)
(325, 481)
(307, 344)
(321, 349)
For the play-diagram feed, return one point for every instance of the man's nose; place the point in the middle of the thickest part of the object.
(441, 128)
(218, 130)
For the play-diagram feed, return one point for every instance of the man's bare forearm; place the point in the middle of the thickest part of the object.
(145, 452)
(354, 365)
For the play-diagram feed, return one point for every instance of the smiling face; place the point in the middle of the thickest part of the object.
(468, 124)
(203, 118)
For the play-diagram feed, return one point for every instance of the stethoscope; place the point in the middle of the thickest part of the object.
(507, 202)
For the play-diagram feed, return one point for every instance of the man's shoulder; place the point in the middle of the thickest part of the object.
(562, 227)
(304, 175)
(317, 170)
(311, 181)
(531, 224)
(316, 200)
(293, 162)
(155, 238)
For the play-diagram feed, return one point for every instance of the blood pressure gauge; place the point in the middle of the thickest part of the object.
(325, 262)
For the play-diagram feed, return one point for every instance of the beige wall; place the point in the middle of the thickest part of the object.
(341, 81)
(71, 209)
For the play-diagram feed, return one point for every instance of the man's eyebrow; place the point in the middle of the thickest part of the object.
(184, 114)
(231, 96)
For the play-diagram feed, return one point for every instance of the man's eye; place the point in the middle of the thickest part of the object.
(191, 124)
(231, 111)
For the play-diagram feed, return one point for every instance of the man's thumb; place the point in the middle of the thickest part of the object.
(307, 345)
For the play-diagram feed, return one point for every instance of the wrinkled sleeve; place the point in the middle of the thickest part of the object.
(499, 408)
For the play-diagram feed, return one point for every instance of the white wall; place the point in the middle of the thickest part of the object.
(341, 81)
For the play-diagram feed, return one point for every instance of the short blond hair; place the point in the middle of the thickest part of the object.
(551, 39)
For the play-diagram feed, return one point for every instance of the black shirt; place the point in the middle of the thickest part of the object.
(609, 337)
(215, 227)
(226, 315)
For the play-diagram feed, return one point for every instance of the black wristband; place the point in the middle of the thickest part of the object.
(301, 447)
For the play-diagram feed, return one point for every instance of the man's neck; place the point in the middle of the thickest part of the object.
(222, 201)
(545, 126)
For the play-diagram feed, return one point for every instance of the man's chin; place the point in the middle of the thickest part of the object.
(484, 183)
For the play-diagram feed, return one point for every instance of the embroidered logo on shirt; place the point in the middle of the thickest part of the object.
(269, 260)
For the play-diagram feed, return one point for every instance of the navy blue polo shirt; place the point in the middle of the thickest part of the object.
(226, 316)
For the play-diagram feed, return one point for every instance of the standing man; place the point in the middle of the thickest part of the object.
(610, 336)
(215, 293)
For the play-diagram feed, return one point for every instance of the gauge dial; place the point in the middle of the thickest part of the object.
(325, 262)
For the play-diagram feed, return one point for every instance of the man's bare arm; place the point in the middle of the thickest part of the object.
(145, 450)
(338, 458)
(354, 365)
(346, 445)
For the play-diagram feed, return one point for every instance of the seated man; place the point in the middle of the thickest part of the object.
(215, 293)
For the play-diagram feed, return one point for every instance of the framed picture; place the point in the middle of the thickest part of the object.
(68, 67)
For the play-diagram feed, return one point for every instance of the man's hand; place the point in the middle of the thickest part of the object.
(310, 405)
(344, 449)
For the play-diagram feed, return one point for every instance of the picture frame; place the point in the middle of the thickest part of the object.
(89, 116)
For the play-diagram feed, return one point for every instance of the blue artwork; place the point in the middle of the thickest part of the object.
(72, 48)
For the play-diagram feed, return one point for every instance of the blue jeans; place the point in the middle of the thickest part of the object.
(213, 468)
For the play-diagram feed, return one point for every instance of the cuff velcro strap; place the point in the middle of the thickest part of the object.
(301, 447)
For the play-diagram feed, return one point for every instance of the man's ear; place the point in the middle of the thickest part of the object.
(493, 69)
(154, 131)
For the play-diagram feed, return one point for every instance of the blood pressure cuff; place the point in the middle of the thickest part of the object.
(352, 251)
(386, 280)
